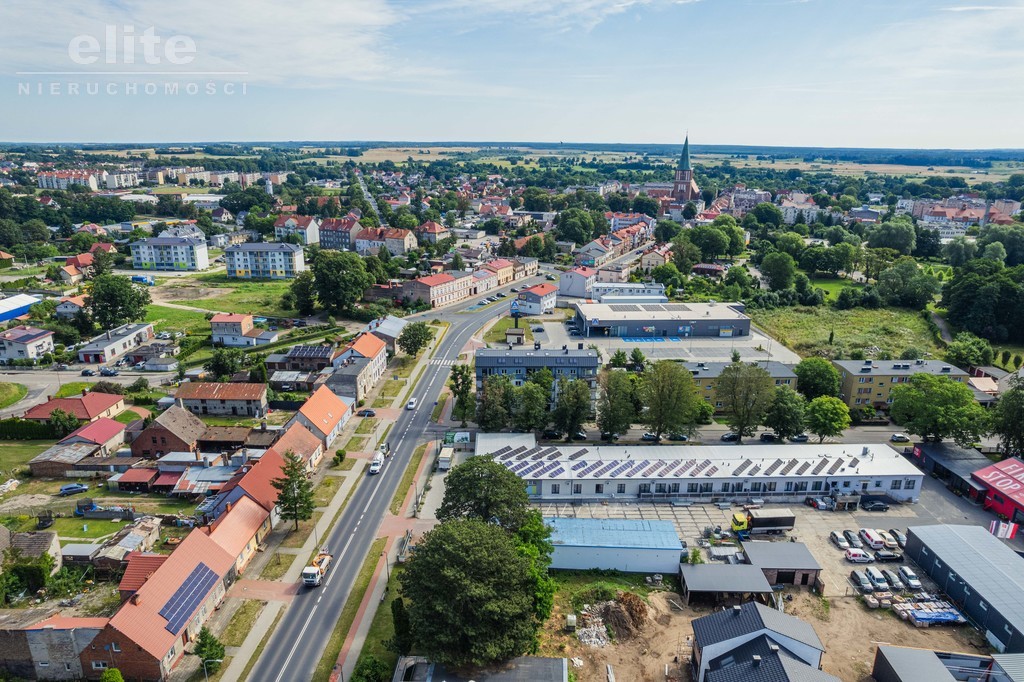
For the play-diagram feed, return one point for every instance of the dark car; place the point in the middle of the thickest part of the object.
(551, 433)
(650, 437)
(768, 437)
(366, 413)
(901, 537)
(579, 435)
(609, 436)
(874, 506)
(88, 373)
(538, 329)
(884, 555)
(107, 372)
(678, 436)
(730, 437)
(550, 278)
(853, 539)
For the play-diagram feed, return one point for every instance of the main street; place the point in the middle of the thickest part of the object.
(299, 641)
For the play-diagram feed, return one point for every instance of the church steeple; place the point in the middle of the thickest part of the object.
(684, 160)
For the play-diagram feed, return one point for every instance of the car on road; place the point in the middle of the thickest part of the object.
(768, 437)
(853, 539)
(538, 329)
(678, 437)
(139, 366)
(730, 437)
(514, 289)
(411, 405)
(799, 438)
(164, 336)
(899, 438)
(377, 464)
(858, 556)
(874, 506)
(551, 434)
(366, 413)
(838, 540)
(910, 578)
(579, 435)
(650, 437)
(72, 489)
(608, 436)
(61, 366)
(888, 556)
(88, 373)
(500, 294)
(861, 582)
(550, 278)
(901, 537)
(107, 372)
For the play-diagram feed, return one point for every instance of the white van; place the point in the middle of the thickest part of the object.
(871, 538)
(877, 579)
(377, 463)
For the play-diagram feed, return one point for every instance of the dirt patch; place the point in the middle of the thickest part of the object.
(19, 503)
(185, 292)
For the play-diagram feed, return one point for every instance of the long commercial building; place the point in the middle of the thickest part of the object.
(773, 473)
(518, 363)
(664, 320)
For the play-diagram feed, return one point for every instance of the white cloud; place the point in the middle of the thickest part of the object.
(559, 15)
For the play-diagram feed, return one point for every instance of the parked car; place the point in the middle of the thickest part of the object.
(72, 489)
(874, 506)
(910, 578)
(551, 433)
(550, 278)
(678, 436)
(107, 372)
(650, 437)
(893, 580)
(768, 437)
(799, 438)
(730, 437)
(366, 413)
(538, 329)
(822, 503)
(139, 365)
(573, 332)
(61, 366)
(608, 436)
(861, 582)
(890, 541)
(899, 438)
(858, 556)
(901, 537)
(838, 540)
(514, 289)
(579, 435)
(88, 373)
(888, 556)
(852, 538)
(876, 578)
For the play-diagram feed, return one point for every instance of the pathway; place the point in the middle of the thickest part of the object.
(943, 326)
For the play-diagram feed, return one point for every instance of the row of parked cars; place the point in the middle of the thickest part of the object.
(872, 579)
(857, 549)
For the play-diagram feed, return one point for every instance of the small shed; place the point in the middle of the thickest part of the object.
(632, 546)
(717, 584)
(79, 553)
(514, 336)
(783, 563)
(138, 479)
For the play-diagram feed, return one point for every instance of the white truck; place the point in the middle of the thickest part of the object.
(377, 463)
(313, 575)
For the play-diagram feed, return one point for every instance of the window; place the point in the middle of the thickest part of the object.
(660, 488)
(846, 484)
(910, 484)
(675, 487)
(99, 665)
(115, 647)
(44, 664)
(770, 486)
(599, 488)
(816, 486)
(896, 485)
(556, 489)
(789, 486)
(577, 488)
(801, 486)
(878, 484)
(645, 488)
(691, 487)
(755, 487)
(621, 489)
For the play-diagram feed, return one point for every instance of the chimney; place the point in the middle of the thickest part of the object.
(757, 660)
(263, 425)
(199, 456)
(737, 610)
(136, 599)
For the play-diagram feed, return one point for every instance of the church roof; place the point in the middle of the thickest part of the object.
(684, 160)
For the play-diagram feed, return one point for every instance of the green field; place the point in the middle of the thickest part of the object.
(806, 330)
(70, 527)
(262, 298)
(833, 285)
(496, 334)
(129, 416)
(177, 320)
(14, 455)
(11, 393)
(382, 627)
(73, 388)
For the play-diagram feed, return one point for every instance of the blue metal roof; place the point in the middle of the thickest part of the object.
(636, 534)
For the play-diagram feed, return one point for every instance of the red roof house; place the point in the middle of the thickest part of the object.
(87, 407)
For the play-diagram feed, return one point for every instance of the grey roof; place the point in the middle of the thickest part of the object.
(182, 423)
(528, 357)
(712, 370)
(898, 367)
(169, 241)
(724, 578)
(65, 454)
(264, 246)
(749, 618)
(352, 368)
(1011, 664)
(123, 332)
(390, 326)
(33, 544)
(992, 570)
(915, 664)
(522, 669)
(776, 665)
(80, 549)
(780, 555)
(961, 461)
(619, 533)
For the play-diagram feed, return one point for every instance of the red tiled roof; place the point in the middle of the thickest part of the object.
(299, 441)
(256, 481)
(99, 431)
(140, 620)
(436, 280)
(324, 409)
(82, 260)
(368, 345)
(585, 271)
(59, 622)
(234, 529)
(299, 220)
(169, 478)
(86, 406)
(211, 391)
(432, 227)
(140, 475)
(499, 263)
(140, 566)
(77, 300)
(101, 246)
(541, 289)
(230, 317)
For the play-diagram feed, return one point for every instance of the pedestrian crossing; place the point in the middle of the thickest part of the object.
(441, 362)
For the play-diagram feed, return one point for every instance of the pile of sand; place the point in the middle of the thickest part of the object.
(627, 616)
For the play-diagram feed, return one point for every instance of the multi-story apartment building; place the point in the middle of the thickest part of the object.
(538, 299)
(122, 179)
(170, 253)
(264, 260)
(396, 241)
(868, 383)
(339, 233)
(519, 363)
(439, 290)
(65, 179)
(706, 374)
(307, 228)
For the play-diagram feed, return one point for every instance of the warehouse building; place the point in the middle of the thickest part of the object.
(722, 584)
(672, 321)
(783, 563)
(774, 473)
(905, 664)
(953, 465)
(15, 306)
(628, 545)
(980, 574)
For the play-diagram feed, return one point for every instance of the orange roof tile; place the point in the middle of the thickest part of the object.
(368, 345)
(211, 391)
(436, 280)
(230, 317)
(86, 406)
(234, 529)
(541, 289)
(324, 409)
(256, 481)
(297, 440)
(59, 622)
(140, 566)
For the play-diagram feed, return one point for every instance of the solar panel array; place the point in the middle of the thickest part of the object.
(688, 464)
(578, 465)
(622, 467)
(551, 466)
(836, 466)
(773, 468)
(592, 467)
(501, 452)
(753, 472)
(701, 467)
(556, 473)
(578, 453)
(819, 466)
(624, 308)
(803, 467)
(637, 468)
(738, 470)
(651, 469)
(854, 462)
(519, 466)
(711, 472)
(187, 598)
(310, 351)
(533, 467)
(789, 466)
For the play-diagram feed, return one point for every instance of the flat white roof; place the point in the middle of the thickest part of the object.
(692, 312)
(520, 454)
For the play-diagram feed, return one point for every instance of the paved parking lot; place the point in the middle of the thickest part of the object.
(936, 505)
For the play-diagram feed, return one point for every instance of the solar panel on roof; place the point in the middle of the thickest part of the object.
(553, 455)
(712, 471)
(624, 308)
(605, 469)
(753, 472)
(637, 468)
(701, 467)
(689, 463)
(854, 462)
(592, 467)
(578, 453)
(651, 469)
(547, 467)
(578, 465)
(819, 466)
(741, 467)
(310, 352)
(557, 472)
(666, 467)
(620, 469)
(532, 467)
(803, 467)
(773, 468)
(502, 450)
(836, 466)
(187, 598)
(789, 466)
(519, 466)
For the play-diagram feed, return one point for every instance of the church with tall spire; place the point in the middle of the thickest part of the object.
(684, 188)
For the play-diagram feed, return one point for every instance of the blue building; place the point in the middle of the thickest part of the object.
(15, 306)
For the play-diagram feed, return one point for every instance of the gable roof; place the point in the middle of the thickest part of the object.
(256, 481)
(368, 345)
(140, 620)
(436, 280)
(432, 227)
(140, 566)
(99, 431)
(748, 618)
(299, 441)
(182, 423)
(212, 391)
(324, 409)
(230, 317)
(233, 530)
(74, 300)
(780, 555)
(540, 289)
(776, 664)
(33, 544)
(86, 406)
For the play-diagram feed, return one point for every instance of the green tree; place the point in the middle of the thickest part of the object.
(471, 595)
(937, 407)
(340, 278)
(63, 422)
(968, 350)
(461, 384)
(103, 263)
(786, 415)
(827, 416)
(111, 675)
(898, 234)
(669, 398)
(746, 392)
(994, 251)
(114, 300)
(209, 650)
(615, 410)
(481, 488)
(619, 359)
(303, 289)
(779, 270)
(816, 377)
(530, 407)
(492, 409)
(767, 214)
(544, 378)
(1008, 419)
(225, 362)
(638, 359)
(371, 669)
(791, 243)
(572, 408)
(685, 254)
(414, 338)
(402, 642)
(258, 371)
(294, 491)
(711, 241)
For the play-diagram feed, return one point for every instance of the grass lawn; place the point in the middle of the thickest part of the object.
(176, 320)
(383, 402)
(355, 444)
(15, 454)
(297, 538)
(407, 478)
(833, 285)
(324, 492)
(806, 330)
(367, 425)
(436, 413)
(11, 393)
(348, 612)
(261, 298)
(73, 388)
(129, 416)
(391, 388)
(275, 418)
(83, 528)
(496, 334)
(402, 366)
(346, 464)
(382, 628)
(277, 566)
(242, 622)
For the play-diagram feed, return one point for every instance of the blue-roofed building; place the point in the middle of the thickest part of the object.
(633, 546)
(15, 306)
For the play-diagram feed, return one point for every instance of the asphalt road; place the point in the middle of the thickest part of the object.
(299, 641)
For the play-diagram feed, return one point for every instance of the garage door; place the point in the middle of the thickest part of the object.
(786, 577)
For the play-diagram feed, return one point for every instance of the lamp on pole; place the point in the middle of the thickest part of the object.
(387, 568)
(211, 660)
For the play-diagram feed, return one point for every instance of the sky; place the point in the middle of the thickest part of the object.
(832, 73)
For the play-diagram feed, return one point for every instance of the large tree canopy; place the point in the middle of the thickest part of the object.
(483, 489)
(937, 407)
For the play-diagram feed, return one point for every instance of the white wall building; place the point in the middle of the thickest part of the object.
(629, 545)
(25, 343)
(264, 260)
(170, 253)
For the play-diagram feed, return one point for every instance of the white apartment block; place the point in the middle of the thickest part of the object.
(170, 253)
(123, 179)
(64, 179)
(264, 261)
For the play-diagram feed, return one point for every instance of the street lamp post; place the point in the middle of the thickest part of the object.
(387, 568)
(205, 661)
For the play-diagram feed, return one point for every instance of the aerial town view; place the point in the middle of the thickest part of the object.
(512, 341)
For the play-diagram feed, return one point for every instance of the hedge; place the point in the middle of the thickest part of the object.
(23, 429)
